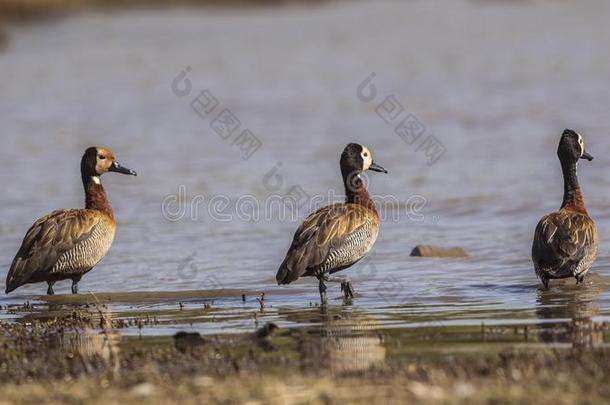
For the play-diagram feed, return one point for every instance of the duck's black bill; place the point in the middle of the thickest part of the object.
(376, 168)
(587, 156)
(117, 168)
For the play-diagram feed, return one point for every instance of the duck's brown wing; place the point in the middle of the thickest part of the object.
(45, 243)
(565, 244)
(333, 237)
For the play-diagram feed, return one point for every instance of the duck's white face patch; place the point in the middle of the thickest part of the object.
(581, 142)
(367, 158)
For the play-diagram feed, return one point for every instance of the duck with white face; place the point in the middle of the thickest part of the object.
(339, 235)
(565, 241)
(68, 243)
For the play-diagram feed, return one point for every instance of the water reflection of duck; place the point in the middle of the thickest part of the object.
(565, 242)
(566, 313)
(92, 345)
(339, 235)
(345, 344)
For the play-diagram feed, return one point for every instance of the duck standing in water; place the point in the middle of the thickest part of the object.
(339, 235)
(565, 242)
(68, 243)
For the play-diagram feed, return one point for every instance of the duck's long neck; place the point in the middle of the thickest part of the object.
(356, 193)
(95, 195)
(572, 194)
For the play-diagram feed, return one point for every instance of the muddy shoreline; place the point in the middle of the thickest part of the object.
(64, 360)
(79, 354)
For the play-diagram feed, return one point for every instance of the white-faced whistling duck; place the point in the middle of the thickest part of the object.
(565, 242)
(339, 235)
(66, 244)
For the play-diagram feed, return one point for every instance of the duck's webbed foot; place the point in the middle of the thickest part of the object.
(346, 286)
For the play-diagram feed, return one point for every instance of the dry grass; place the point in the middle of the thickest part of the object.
(299, 389)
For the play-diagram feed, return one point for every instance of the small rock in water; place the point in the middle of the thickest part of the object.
(435, 251)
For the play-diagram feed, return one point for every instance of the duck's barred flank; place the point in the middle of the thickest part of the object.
(86, 254)
(565, 245)
(354, 247)
(330, 240)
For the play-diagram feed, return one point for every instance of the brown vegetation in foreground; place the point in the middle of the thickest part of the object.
(542, 378)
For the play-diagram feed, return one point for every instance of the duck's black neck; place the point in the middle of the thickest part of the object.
(95, 195)
(572, 194)
(356, 192)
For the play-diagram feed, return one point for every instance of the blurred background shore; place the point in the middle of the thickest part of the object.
(19, 11)
(28, 9)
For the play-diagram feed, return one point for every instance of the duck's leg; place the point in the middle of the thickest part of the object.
(74, 287)
(580, 279)
(50, 289)
(322, 288)
(346, 288)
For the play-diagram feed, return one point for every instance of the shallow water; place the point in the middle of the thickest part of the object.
(494, 83)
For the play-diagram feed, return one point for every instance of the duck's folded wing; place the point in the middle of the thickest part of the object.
(562, 241)
(323, 236)
(46, 241)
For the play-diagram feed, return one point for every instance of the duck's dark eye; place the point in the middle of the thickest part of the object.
(101, 157)
(366, 154)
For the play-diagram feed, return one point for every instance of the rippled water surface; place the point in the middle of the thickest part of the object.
(494, 83)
